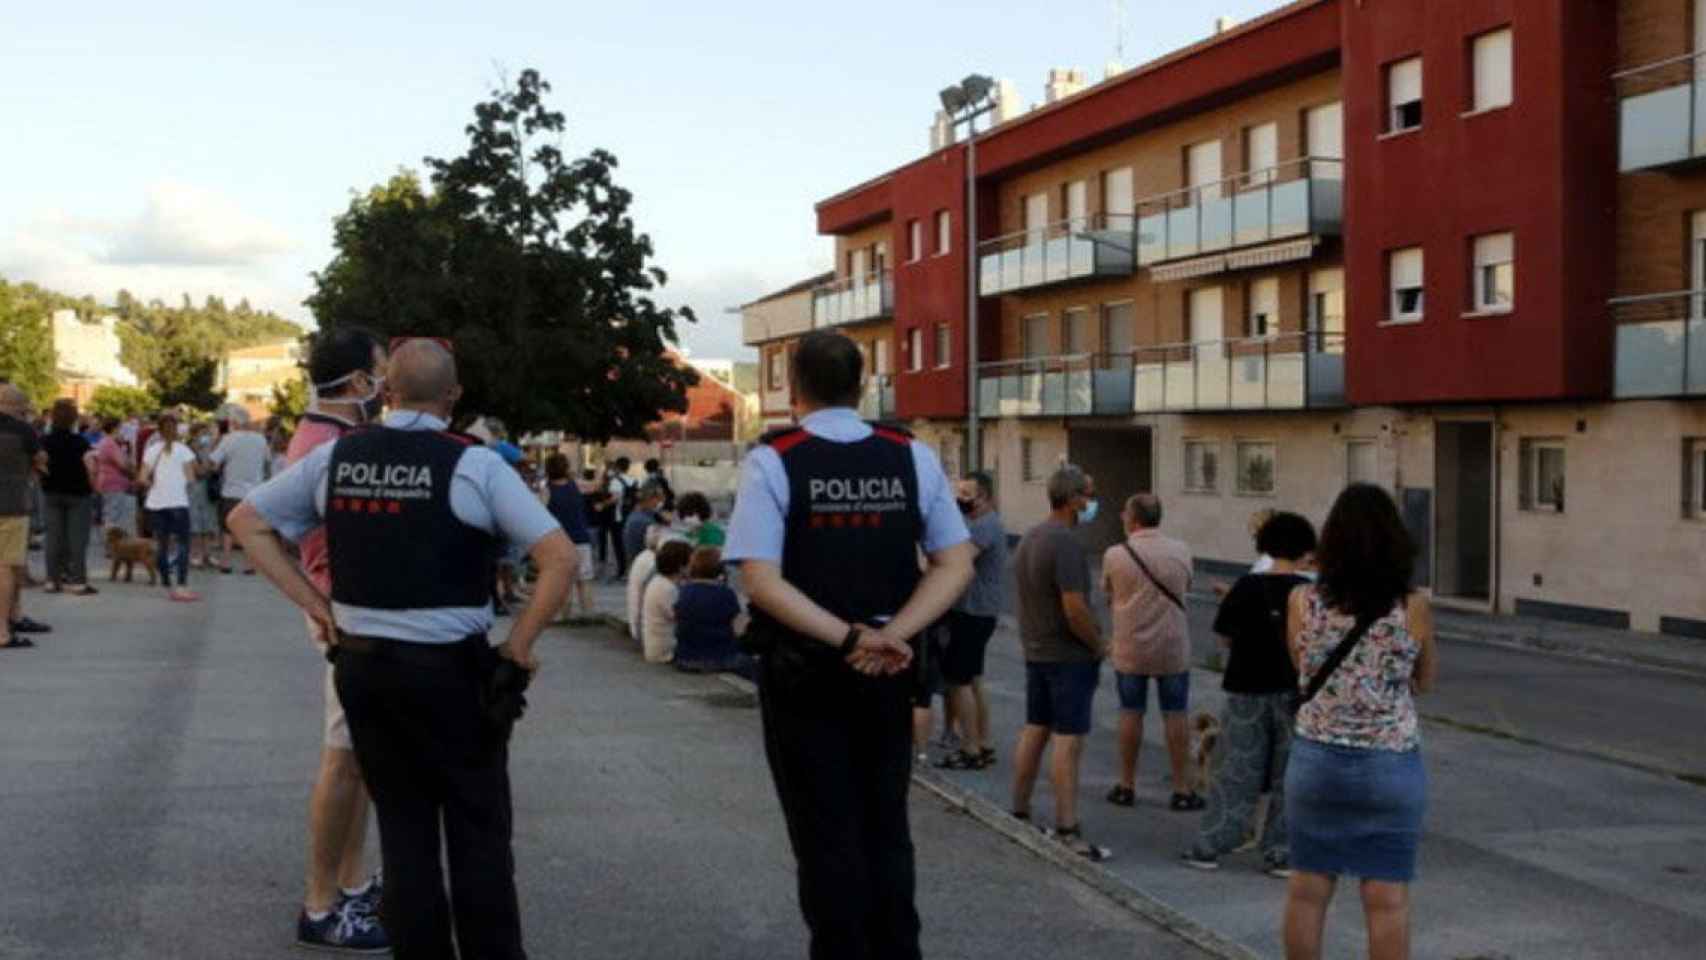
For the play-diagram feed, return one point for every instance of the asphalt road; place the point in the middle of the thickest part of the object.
(154, 770)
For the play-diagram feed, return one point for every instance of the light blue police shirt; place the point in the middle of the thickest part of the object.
(485, 493)
(758, 526)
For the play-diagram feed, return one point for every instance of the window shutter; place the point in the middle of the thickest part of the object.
(1493, 248)
(1525, 476)
(1492, 64)
(1407, 268)
(1404, 81)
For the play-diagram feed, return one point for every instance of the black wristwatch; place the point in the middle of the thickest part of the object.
(851, 640)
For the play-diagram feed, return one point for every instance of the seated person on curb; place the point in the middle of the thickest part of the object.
(708, 618)
(657, 604)
(699, 521)
(1260, 684)
(640, 568)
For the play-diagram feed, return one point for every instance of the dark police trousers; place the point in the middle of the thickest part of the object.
(840, 751)
(415, 720)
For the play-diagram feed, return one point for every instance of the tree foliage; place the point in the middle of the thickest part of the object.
(530, 263)
(174, 349)
(26, 341)
(184, 377)
(122, 402)
(290, 401)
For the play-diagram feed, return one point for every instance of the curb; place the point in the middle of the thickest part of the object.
(1133, 900)
(1137, 902)
(1539, 647)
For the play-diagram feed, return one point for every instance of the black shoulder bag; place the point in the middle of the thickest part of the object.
(1177, 602)
(1334, 659)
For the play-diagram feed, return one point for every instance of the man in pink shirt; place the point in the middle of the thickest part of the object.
(114, 477)
(340, 909)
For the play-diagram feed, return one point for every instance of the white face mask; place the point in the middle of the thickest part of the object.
(691, 523)
(370, 406)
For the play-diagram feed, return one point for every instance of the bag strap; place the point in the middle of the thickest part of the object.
(1152, 578)
(1334, 659)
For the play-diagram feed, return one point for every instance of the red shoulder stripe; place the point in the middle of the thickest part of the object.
(892, 436)
(462, 438)
(788, 441)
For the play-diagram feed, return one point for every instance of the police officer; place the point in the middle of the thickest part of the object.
(827, 526)
(412, 516)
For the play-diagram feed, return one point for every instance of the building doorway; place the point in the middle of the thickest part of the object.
(1465, 484)
(1120, 460)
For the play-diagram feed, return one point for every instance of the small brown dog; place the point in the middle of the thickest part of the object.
(1205, 741)
(127, 552)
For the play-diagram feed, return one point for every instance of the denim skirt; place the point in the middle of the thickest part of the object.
(1354, 811)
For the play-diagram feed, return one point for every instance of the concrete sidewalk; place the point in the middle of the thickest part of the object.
(155, 761)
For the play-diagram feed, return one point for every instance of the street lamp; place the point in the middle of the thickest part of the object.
(965, 102)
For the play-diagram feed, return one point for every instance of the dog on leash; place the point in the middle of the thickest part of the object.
(1205, 741)
(127, 552)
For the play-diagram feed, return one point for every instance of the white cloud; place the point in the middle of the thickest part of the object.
(718, 334)
(184, 240)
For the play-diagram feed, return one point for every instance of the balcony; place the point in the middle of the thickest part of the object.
(1086, 248)
(877, 402)
(1660, 345)
(1297, 200)
(1295, 371)
(853, 300)
(1662, 113)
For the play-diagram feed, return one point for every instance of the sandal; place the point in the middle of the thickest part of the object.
(17, 643)
(51, 588)
(960, 760)
(1073, 838)
(1122, 796)
(986, 757)
(1186, 802)
(84, 591)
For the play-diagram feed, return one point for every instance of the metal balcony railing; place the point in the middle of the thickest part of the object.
(1662, 113)
(1083, 248)
(1292, 371)
(1659, 345)
(1298, 198)
(877, 402)
(853, 299)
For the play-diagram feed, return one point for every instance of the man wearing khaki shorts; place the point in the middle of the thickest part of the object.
(21, 459)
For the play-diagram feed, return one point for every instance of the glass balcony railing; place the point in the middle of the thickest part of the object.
(1662, 113)
(877, 402)
(1085, 248)
(853, 299)
(1294, 371)
(1660, 345)
(1298, 198)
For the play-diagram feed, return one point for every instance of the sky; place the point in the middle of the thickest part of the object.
(205, 147)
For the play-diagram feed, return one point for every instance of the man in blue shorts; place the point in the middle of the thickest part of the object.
(1063, 653)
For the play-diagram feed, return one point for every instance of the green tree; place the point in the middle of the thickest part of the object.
(122, 402)
(184, 377)
(530, 262)
(26, 342)
(290, 401)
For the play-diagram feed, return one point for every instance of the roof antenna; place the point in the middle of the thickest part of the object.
(1118, 63)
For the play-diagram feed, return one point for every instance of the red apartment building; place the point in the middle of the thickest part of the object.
(1456, 249)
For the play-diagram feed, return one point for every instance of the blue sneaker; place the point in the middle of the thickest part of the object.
(344, 930)
(367, 901)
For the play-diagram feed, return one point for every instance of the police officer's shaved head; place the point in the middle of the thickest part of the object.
(423, 373)
(827, 370)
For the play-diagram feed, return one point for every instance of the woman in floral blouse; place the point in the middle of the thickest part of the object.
(1355, 788)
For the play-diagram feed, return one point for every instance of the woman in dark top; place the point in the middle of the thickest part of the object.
(566, 503)
(67, 502)
(706, 616)
(1260, 683)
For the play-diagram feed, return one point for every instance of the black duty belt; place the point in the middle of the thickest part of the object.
(454, 654)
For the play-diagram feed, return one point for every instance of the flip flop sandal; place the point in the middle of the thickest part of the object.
(18, 643)
(51, 588)
(1122, 796)
(986, 758)
(1073, 839)
(959, 760)
(1185, 802)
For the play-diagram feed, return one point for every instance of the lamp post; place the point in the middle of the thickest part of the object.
(965, 102)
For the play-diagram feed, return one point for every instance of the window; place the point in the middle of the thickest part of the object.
(914, 241)
(1361, 462)
(1078, 333)
(1119, 328)
(1033, 335)
(915, 349)
(1036, 217)
(1324, 133)
(942, 345)
(944, 232)
(883, 368)
(1263, 308)
(1255, 468)
(1404, 269)
(1327, 310)
(1495, 273)
(1694, 478)
(1404, 95)
(1202, 466)
(1202, 169)
(1261, 153)
(1490, 60)
(1117, 197)
(1077, 197)
(1542, 474)
(777, 369)
(1027, 461)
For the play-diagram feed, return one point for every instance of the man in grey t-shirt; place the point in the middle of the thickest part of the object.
(243, 457)
(1063, 653)
(972, 622)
